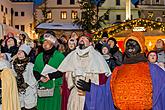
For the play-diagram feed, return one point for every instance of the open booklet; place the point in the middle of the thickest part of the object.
(48, 69)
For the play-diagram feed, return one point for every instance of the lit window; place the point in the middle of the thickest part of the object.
(74, 14)
(150, 14)
(63, 15)
(49, 15)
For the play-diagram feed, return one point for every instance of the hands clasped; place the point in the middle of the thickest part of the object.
(45, 78)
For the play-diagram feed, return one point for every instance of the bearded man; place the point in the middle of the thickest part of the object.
(82, 63)
(136, 85)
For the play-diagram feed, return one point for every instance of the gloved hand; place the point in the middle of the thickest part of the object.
(83, 85)
(57, 74)
(113, 58)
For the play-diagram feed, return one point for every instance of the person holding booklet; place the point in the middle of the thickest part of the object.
(47, 60)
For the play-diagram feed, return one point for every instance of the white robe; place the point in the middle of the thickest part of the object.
(29, 99)
(82, 64)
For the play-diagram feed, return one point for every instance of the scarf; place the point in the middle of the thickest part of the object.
(82, 52)
(19, 67)
(85, 61)
(113, 50)
(47, 54)
(135, 59)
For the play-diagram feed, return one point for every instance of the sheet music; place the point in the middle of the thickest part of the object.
(48, 69)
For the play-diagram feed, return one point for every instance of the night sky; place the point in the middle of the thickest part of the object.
(40, 1)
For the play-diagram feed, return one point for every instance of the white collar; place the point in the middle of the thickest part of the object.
(82, 52)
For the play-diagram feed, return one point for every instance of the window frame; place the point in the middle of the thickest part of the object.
(72, 2)
(15, 13)
(117, 17)
(62, 16)
(22, 13)
(75, 14)
(118, 3)
(16, 27)
(2, 8)
(22, 27)
(59, 2)
(6, 11)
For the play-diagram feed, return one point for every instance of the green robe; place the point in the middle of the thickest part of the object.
(54, 102)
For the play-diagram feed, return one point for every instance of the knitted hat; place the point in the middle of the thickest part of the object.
(51, 32)
(113, 39)
(105, 34)
(139, 37)
(106, 45)
(25, 48)
(88, 35)
(51, 38)
(152, 51)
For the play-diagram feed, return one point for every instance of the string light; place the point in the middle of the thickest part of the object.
(140, 22)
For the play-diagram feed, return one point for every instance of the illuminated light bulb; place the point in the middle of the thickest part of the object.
(150, 44)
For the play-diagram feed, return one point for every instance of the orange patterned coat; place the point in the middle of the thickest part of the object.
(131, 87)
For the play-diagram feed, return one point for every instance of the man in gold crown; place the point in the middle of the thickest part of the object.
(136, 85)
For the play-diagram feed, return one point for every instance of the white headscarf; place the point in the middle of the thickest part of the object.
(95, 63)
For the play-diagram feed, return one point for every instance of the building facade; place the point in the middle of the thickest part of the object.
(18, 14)
(117, 11)
(152, 9)
(59, 11)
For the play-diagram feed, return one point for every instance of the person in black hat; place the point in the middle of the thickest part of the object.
(99, 44)
(116, 55)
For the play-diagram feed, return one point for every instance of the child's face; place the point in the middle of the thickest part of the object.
(159, 43)
(152, 57)
(20, 55)
(105, 50)
(10, 42)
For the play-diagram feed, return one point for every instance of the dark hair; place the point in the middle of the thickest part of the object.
(113, 39)
(152, 51)
(23, 36)
(105, 34)
(15, 41)
(26, 55)
(51, 32)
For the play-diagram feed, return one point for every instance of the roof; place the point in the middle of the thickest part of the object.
(22, 0)
(58, 26)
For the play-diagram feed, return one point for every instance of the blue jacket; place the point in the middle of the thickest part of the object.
(100, 97)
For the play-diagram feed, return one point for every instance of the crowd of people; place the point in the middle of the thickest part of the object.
(80, 64)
